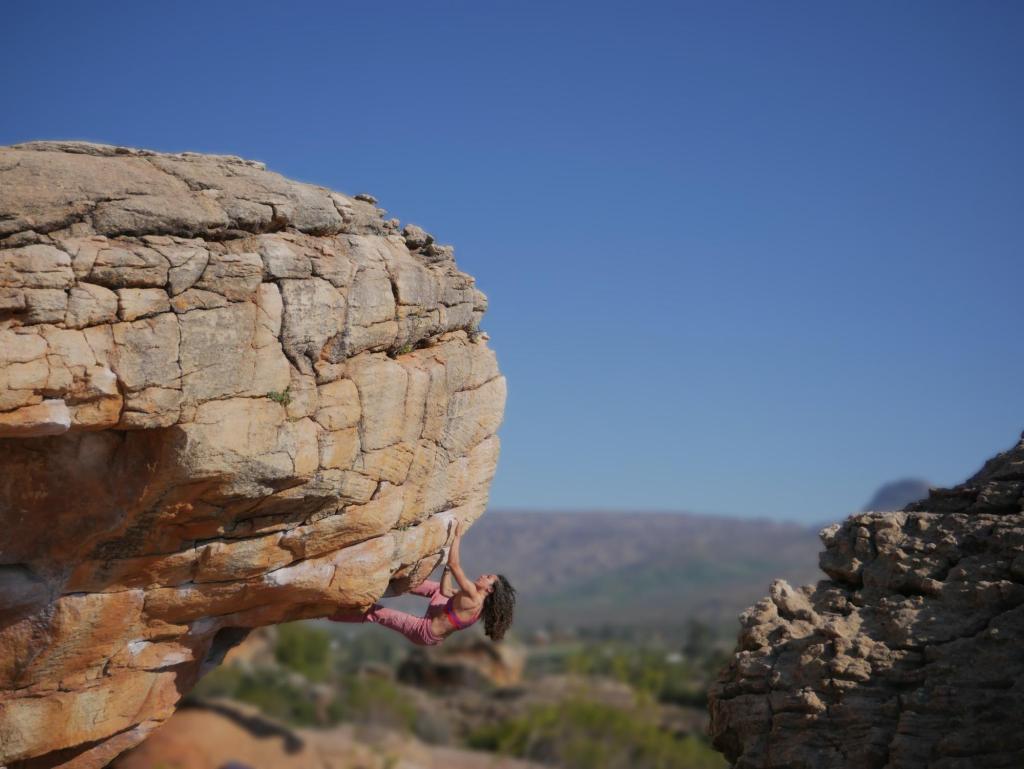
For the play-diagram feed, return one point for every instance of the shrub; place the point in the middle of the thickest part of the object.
(371, 700)
(268, 691)
(577, 734)
(304, 649)
(682, 681)
(265, 688)
(284, 398)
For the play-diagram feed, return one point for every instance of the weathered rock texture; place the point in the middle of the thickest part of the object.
(912, 655)
(226, 399)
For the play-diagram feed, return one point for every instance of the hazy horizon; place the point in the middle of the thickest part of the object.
(749, 517)
(752, 516)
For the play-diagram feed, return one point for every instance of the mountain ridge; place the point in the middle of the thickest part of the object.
(607, 568)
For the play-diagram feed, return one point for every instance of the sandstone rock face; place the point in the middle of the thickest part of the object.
(911, 655)
(226, 400)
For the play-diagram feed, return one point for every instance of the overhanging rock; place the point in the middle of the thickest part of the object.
(227, 399)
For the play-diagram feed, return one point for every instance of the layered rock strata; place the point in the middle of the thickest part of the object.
(910, 656)
(227, 399)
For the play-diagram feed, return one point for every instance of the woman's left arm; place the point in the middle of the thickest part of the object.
(455, 566)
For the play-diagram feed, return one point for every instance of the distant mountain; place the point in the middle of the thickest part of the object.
(898, 494)
(648, 570)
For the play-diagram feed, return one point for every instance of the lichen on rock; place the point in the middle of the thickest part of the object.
(227, 399)
(910, 656)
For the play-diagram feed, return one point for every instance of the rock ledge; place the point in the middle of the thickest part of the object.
(227, 399)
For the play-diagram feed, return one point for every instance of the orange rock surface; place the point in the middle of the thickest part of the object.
(226, 400)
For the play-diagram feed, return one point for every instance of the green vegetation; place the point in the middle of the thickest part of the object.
(279, 694)
(651, 672)
(669, 674)
(372, 700)
(358, 650)
(578, 734)
(315, 681)
(304, 649)
(700, 640)
(284, 398)
(268, 689)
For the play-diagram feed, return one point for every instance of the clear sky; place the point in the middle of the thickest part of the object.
(743, 257)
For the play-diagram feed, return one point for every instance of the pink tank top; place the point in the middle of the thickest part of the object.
(453, 617)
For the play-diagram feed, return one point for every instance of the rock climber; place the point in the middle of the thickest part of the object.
(490, 596)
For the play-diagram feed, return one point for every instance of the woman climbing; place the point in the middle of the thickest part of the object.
(490, 596)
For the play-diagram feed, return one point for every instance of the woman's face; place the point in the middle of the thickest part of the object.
(485, 582)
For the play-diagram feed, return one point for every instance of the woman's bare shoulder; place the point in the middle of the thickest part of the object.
(466, 601)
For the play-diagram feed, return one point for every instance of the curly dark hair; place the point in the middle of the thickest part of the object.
(499, 607)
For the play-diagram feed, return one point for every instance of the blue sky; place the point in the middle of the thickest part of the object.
(743, 258)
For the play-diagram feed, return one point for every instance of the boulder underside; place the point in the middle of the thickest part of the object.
(910, 656)
(226, 400)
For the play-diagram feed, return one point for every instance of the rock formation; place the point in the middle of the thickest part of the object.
(911, 655)
(226, 400)
(477, 663)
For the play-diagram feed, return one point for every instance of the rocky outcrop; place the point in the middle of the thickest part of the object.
(475, 664)
(909, 656)
(226, 400)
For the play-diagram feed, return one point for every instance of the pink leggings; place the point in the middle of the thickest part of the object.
(416, 629)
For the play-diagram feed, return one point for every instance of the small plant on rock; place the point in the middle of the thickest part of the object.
(405, 349)
(284, 398)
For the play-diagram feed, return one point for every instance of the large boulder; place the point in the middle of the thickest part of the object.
(227, 400)
(909, 656)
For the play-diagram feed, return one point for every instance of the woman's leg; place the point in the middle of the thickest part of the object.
(416, 629)
(426, 588)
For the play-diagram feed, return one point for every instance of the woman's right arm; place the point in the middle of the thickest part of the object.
(447, 588)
